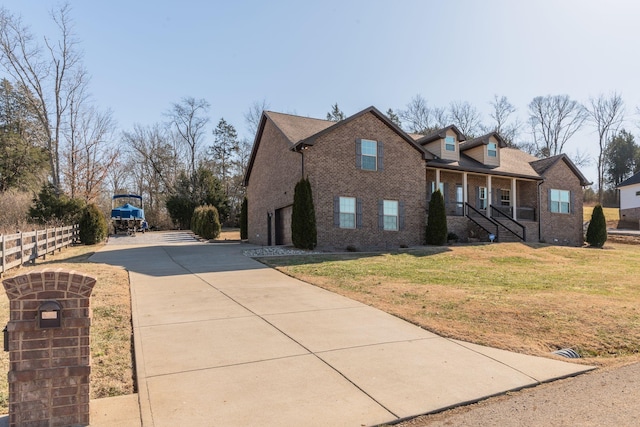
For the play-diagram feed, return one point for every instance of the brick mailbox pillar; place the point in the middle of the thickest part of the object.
(48, 342)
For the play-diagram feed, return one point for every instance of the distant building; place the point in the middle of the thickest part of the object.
(630, 199)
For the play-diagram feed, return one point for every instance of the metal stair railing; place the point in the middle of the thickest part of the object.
(485, 227)
(498, 214)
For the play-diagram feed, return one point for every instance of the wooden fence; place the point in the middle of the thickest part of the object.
(20, 248)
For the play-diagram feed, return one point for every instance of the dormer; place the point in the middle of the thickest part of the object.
(484, 149)
(444, 143)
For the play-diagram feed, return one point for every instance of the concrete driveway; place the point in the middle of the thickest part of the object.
(221, 340)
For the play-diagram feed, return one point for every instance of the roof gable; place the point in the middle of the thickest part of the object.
(483, 140)
(440, 134)
(310, 141)
(542, 165)
(635, 179)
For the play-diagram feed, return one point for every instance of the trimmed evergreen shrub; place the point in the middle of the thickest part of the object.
(436, 232)
(93, 225)
(205, 222)
(303, 218)
(597, 230)
(244, 220)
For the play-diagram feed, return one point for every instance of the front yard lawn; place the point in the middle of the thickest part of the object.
(531, 299)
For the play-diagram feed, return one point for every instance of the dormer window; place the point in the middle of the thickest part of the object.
(450, 143)
(492, 149)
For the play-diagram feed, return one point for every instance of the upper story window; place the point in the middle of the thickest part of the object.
(369, 155)
(450, 143)
(559, 201)
(492, 149)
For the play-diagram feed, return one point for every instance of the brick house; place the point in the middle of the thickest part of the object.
(630, 199)
(372, 182)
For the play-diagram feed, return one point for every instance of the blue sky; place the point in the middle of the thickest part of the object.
(302, 56)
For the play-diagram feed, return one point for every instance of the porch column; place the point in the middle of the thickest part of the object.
(465, 193)
(489, 196)
(437, 180)
(514, 203)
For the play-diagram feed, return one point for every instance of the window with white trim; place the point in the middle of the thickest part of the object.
(492, 149)
(369, 155)
(450, 143)
(482, 197)
(347, 212)
(560, 201)
(505, 197)
(390, 212)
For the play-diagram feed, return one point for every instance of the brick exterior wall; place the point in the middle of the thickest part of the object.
(631, 215)
(274, 175)
(559, 228)
(331, 168)
(49, 367)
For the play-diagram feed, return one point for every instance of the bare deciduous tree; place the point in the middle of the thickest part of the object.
(420, 118)
(89, 154)
(51, 72)
(554, 119)
(466, 117)
(253, 115)
(606, 114)
(188, 119)
(501, 114)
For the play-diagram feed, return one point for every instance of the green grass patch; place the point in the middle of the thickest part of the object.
(530, 298)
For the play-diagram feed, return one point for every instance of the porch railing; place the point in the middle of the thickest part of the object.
(513, 226)
(481, 220)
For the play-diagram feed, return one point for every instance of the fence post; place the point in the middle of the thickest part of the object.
(46, 243)
(4, 248)
(21, 248)
(34, 251)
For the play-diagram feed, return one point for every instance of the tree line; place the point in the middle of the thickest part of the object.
(55, 140)
(552, 120)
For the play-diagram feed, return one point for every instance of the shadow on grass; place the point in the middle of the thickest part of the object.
(295, 260)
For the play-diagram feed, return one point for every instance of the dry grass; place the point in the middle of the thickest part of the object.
(611, 215)
(532, 299)
(111, 332)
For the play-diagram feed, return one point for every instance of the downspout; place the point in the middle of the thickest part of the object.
(540, 212)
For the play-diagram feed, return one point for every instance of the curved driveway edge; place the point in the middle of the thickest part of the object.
(222, 340)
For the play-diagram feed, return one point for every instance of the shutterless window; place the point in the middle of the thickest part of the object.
(637, 193)
(560, 201)
(390, 212)
(347, 212)
(369, 155)
(492, 149)
(482, 196)
(450, 143)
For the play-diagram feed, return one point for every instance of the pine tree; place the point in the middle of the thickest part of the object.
(597, 230)
(335, 115)
(303, 218)
(436, 232)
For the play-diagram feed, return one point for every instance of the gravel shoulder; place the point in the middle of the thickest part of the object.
(608, 396)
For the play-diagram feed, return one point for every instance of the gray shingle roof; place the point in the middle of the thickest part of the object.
(513, 162)
(635, 179)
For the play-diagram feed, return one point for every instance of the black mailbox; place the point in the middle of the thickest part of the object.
(49, 314)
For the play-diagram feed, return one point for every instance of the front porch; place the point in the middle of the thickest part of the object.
(503, 206)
